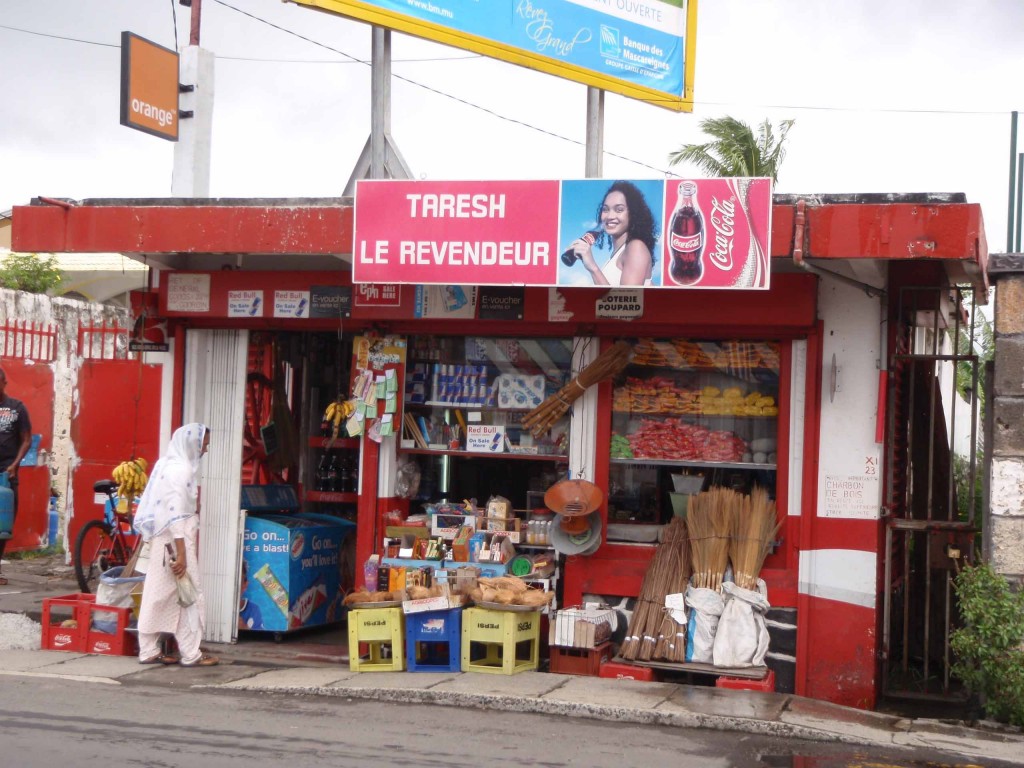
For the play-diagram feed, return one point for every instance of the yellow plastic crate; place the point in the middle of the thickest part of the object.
(500, 642)
(378, 628)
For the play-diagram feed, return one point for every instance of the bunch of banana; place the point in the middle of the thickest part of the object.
(131, 478)
(336, 414)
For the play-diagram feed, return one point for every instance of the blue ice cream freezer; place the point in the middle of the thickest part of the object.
(291, 576)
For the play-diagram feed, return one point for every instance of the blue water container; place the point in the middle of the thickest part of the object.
(53, 523)
(6, 508)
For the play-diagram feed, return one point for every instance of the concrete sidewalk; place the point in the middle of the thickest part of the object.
(317, 665)
(622, 701)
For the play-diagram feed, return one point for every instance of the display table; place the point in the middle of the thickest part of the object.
(500, 642)
(383, 631)
(433, 641)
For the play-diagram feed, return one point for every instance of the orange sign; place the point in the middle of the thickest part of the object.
(149, 87)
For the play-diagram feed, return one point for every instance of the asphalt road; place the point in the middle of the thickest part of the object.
(54, 722)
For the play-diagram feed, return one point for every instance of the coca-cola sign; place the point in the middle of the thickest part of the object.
(727, 224)
(648, 233)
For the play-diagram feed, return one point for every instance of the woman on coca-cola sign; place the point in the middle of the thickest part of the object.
(627, 223)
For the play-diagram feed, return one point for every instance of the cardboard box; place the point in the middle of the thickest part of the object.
(501, 524)
(515, 536)
(581, 627)
(448, 526)
(443, 603)
(460, 544)
(498, 549)
(401, 531)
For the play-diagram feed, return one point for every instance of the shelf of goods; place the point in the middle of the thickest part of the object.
(466, 396)
(707, 409)
(334, 481)
(486, 569)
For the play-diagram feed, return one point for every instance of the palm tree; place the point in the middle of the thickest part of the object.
(734, 150)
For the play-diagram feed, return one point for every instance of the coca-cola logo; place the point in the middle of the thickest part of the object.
(723, 218)
(61, 639)
(101, 647)
(685, 243)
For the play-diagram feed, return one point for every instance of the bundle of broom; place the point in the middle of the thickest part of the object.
(753, 531)
(671, 644)
(665, 575)
(709, 517)
(604, 366)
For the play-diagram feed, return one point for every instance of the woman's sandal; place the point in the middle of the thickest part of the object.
(206, 660)
(160, 658)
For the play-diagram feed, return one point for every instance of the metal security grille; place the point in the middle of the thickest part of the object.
(106, 341)
(27, 340)
(932, 496)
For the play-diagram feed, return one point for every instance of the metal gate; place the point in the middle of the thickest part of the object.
(27, 354)
(932, 502)
(117, 416)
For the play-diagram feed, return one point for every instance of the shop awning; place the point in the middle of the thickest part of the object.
(317, 233)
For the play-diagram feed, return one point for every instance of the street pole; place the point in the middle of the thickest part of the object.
(192, 152)
(1011, 206)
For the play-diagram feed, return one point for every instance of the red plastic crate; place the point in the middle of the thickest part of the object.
(579, 661)
(58, 638)
(766, 683)
(617, 670)
(118, 642)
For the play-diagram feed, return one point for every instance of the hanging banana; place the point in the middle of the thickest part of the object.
(131, 478)
(336, 413)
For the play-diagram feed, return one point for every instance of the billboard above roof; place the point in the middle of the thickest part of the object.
(643, 49)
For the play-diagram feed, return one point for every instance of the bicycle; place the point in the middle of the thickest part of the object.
(107, 543)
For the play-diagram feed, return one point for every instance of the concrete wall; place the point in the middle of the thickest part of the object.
(1005, 523)
(67, 315)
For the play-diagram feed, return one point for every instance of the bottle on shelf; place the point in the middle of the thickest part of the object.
(347, 478)
(332, 474)
(320, 478)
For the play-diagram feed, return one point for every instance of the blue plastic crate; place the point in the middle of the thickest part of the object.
(433, 641)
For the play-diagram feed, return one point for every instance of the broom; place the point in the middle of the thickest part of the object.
(604, 366)
(671, 645)
(665, 575)
(753, 531)
(709, 517)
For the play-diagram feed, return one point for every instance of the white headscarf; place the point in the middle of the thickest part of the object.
(172, 491)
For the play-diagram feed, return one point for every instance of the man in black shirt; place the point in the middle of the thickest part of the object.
(15, 437)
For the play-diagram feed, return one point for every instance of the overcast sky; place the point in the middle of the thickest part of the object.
(908, 96)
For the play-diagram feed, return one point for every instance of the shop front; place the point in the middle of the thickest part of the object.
(776, 389)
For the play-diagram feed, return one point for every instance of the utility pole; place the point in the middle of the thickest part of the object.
(192, 152)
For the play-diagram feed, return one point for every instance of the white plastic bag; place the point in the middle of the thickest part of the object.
(705, 607)
(115, 590)
(742, 637)
(186, 591)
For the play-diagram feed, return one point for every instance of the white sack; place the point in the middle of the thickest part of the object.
(706, 606)
(742, 637)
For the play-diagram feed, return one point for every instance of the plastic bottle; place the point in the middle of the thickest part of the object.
(370, 572)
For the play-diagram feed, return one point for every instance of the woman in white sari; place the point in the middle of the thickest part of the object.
(168, 519)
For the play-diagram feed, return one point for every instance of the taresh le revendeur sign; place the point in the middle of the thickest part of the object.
(706, 233)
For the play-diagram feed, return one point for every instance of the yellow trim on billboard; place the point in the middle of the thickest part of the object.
(617, 49)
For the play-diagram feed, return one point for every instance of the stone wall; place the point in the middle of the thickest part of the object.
(67, 315)
(1005, 524)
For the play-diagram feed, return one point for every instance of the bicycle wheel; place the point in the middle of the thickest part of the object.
(94, 549)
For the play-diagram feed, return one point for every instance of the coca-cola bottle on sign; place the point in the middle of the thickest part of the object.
(569, 254)
(686, 237)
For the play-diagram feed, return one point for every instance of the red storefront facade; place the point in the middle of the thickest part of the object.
(836, 646)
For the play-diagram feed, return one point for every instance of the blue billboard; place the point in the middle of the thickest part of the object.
(639, 48)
